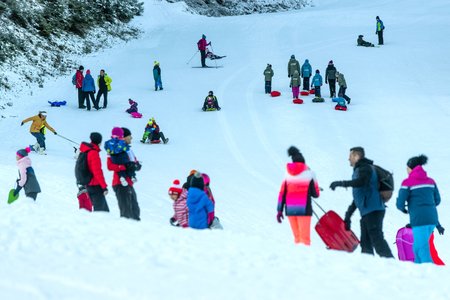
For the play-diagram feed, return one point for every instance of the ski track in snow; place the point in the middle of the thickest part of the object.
(399, 108)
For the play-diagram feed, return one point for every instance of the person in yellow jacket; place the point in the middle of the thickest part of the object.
(104, 86)
(37, 130)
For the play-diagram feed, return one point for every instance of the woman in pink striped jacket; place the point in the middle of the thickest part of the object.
(295, 195)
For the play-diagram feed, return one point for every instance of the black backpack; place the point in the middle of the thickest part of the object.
(385, 183)
(82, 173)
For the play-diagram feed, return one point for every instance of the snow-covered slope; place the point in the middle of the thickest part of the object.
(51, 250)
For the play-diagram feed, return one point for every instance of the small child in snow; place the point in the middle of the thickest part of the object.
(119, 152)
(153, 133)
(211, 102)
(180, 217)
(317, 83)
(27, 178)
(133, 106)
(201, 208)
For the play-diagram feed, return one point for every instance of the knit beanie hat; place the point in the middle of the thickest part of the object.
(23, 152)
(117, 132)
(331, 62)
(197, 181)
(295, 154)
(88, 71)
(126, 132)
(176, 188)
(417, 161)
(81, 68)
(96, 138)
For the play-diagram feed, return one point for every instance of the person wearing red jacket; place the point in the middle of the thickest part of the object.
(79, 77)
(97, 187)
(126, 195)
(201, 44)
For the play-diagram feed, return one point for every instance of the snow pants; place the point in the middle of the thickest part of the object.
(80, 98)
(305, 83)
(295, 91)
(301, 228)
(268, 87)
(97, 198)
(342, 93)
(372, 234)
(421, 244)
(158, 84)
(203, 57)
(90, 95)
(332, 83)
(317, 91)
(127, 201)
(40, 138)
(105, 98)
(380, 37)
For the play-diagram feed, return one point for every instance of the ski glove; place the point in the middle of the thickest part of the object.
(440, 229)
(55, 133)
(280, 217)
(131, 167)
(335, 184)
(174, 222)
(347, 225)
(21, 124)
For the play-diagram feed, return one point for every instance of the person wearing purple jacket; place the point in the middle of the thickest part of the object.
(419, 197)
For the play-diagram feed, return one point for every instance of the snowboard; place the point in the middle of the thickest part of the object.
(318, 100)
(297, 101)
(331, 229)
(304, 93)
(84, 201)
(11, 197)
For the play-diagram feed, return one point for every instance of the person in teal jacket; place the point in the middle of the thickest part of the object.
(317, 83)
(157, 76)
(306, 74)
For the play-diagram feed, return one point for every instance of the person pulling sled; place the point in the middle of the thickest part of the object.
(211, 103)
(152, 133)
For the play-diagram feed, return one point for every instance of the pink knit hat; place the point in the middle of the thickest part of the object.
(23, 152)
(117, 132)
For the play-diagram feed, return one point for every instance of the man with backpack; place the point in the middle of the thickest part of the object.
(89, 174)
(201, 44)
(77, 81)
(380, 29)
(367, 199)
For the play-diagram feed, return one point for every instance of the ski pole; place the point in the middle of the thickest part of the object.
(212, 49)
(192, 57)
(67, 139)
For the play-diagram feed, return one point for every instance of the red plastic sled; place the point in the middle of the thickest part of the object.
(339, 107)
(84, 200)
(434, 255)
(304, 93)
(331, 229)
(312, 91)
(275, 94)
(155, 141)
(297, 101)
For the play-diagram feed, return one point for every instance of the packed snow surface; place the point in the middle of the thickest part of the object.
(400, 94)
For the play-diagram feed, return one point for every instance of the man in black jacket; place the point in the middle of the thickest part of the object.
(367, 199)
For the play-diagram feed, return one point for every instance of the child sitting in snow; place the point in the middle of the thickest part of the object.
(27, 178)
(133, 106)
(180, 217)
(152, 133)
(211, 102)
(118, 150)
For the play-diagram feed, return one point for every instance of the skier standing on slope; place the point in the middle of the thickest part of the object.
(367, 199)
(330, 78)
(38, 125)
(201, 44)
(295, 195)
(418, 196)
(306, 74)
(268, 74)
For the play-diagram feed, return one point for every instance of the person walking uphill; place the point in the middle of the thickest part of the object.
(201, 44)
(104, 87)
(89, 90)
(317, 83)
(367, 199)
(268, 74)
(306, 74)
(295, 84)
(97, 187)
(293, 65)
(330, 78)
(380, 29)
(27, 178)
(419, 193)
(77, 80)
(157, 76)
(295, 195)
(38, 125)
(126, 195)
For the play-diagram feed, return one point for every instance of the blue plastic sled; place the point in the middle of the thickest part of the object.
(57, 103)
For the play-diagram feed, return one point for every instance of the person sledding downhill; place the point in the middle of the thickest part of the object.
(211, 103)
(201, 44)
(118, 150)
(37, 129)
(152, 133)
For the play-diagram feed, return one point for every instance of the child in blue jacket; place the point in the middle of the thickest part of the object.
(201, 208)
(317, 83)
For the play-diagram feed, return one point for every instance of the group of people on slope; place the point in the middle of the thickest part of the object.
(418, 197)
(379, 31)
(86, 88)
(296, 73)
(193, 203)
